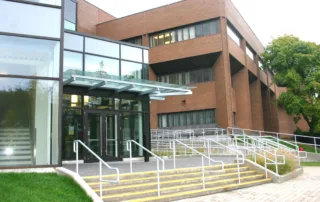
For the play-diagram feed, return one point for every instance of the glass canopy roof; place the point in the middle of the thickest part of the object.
(94, 80)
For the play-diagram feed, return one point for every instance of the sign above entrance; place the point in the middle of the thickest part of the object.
(95, 80)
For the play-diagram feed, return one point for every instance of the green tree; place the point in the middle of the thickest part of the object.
(296, 65)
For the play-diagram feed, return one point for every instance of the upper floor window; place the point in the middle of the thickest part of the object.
(136, 40)
(233, 36)
(190, 77)
(185, 33)
(260, 64)
(70, 12)
(250, 53)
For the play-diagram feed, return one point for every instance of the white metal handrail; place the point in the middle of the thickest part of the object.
(196, 151)
(280, 136)
(129, 148)
(76, 150)
(238, 153)
(275, 142)
(253, 149)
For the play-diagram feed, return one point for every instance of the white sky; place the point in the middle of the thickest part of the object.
(267, 18)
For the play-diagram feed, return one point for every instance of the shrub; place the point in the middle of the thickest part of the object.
(290, 165)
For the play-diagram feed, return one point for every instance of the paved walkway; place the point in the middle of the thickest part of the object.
(88, 169)
(305, 188)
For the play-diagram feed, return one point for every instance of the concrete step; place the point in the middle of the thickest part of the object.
(169, 172)
(184, 191)
(185, 184)
(200, 192)
(193, 175)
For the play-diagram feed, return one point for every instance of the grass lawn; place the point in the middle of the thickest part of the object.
(310, 163)
(39, 187)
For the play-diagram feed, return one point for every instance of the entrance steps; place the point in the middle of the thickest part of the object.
(175, 184)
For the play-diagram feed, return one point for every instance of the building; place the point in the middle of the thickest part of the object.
(85, 76)
(205, 43)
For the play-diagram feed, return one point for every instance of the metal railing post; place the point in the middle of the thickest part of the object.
(315, 145)
(158, 176)
(100, 173)
(174, 154)
(77, 157)
(239, 181)
(265, 164)
(203, 181)
(276, 160)
(278, 140)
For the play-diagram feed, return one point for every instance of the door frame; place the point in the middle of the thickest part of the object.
(88, 158)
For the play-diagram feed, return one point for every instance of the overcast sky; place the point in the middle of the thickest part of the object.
(267, 18)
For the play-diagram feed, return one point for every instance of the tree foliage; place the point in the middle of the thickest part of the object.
(296, 65)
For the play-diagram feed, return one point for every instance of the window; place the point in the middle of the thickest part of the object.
(180, 38)
(136, 40)
(161, 39)
(185, 33)
(69, 25)
(100, 47)
(167, 38)
(187, 118)
(260, 65)
(249, 53)
(73, 42)
(131, 70)
(173, 37)
(29, 57)
(192, 31)
(26, 19)
(131, 53)
(70, 15)
(191, 77)
(101, 66)
(52, 2)
(29, 107)
(72, 61)
(146, 56)
(233, 36)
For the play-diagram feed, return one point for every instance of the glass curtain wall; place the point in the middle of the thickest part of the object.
(30, 55)
(100, 57)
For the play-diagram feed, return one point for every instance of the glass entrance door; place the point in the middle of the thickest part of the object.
(102, 135)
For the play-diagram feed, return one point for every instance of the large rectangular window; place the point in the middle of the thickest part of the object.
(249, 53)
(70, 18)
(191, 77)
(131, 70)
(100, 47)
(136, 40)
(29, 121)
(73, 42)
(188, 118)
(131, 53)
(29, 57)
(233, 35)
(185, 33)
(51, 2)
(101, 66)
(72, 61)
(29, 19)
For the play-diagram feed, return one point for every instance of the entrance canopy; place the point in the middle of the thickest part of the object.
(101, 80)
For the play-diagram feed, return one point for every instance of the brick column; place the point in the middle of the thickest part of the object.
(222, 77)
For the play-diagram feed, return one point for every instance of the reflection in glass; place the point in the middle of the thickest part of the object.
(131, 105)
(69, 25)
(98, 102)
(71, 100)
(131, 70)
(29, 19)
(101, 66)
(29, 57)
(73, 42)
(94, 131)
(29, 112)
(100, 47)
(71, 130)
(146, 56)
(72, 61)
(52, 2)
(131, 53)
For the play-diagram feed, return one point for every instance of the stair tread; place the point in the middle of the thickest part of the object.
(180, 186)
(154, 172)
(161, 177)
(186, 193)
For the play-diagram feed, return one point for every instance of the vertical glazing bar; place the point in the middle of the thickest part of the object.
(77, 157)
(203, 181)
(315, 145)
(100, 173)
(174, 154)
(158, 176)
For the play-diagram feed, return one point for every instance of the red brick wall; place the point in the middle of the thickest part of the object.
(89, 16)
